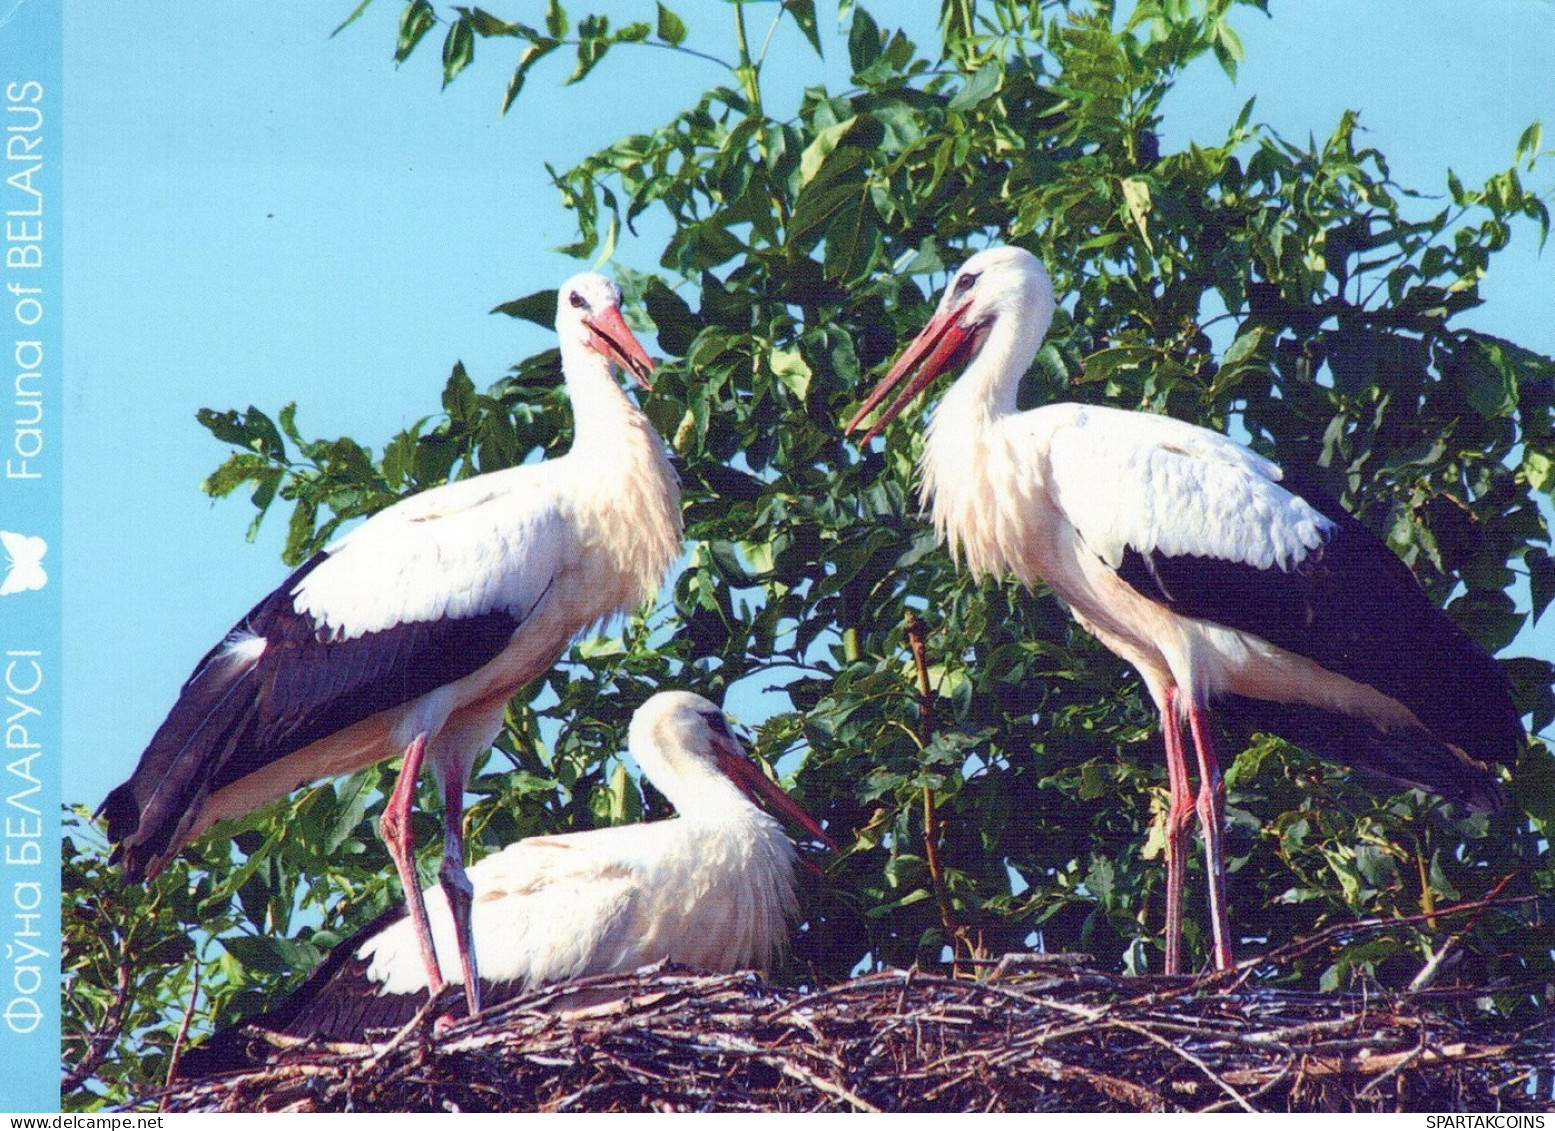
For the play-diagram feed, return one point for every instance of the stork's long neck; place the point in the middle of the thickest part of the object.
(969, 465)
(703, 795)
(624, 477)
(744, 865)
(603, 416)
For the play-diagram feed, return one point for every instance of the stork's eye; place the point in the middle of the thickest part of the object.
(965, 283)
(578, 301)
(717, 723)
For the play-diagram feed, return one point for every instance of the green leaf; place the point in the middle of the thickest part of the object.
(351, 19)
(527, 59)
(1541, 579)
(823, 146)
(1101, 879)
(1487, 380)
(803, 12)
(726, 560)
(539, 308)
(1138, 204)
(488, 26)
(272, 955)
(958, 19)
(979, 86)
(852, 238)
(1529, 143)
(671, 28)
(676, 324)
(902, 124)
(593, 44)
(709, 244)
(1105, 364)
(863, 41)
(1538, 469)
(417, 19)
(252, 430)
(1227, 46)
(299, 529)
(556, 24)
(1246, 345)
(1095, 782)
(1491, 618)
(351, 795)
(790, 368)
(459, 396)
(458, 49)
(1533, 784)
(240, 468)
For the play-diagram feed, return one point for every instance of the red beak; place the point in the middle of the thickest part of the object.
(944, 343)
(746, 774)
(610, 335)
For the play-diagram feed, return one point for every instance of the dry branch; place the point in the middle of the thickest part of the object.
(1067, 1039)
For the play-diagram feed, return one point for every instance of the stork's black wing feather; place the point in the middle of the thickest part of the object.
(246, 707)
(337, 1002)
(1354, 608)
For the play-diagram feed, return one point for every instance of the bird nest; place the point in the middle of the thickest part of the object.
(1045, 1033)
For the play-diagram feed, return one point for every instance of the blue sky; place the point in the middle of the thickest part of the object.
(257, 213)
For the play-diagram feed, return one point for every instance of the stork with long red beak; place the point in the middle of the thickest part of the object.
(410, 634)
(712, 888)
(1200, 563)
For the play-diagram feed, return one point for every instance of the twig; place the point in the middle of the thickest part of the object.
(1209, 1074)
(903, 1041)
(805, 1076)
(1243, 970)
(917, 637)
(415, 1024)
(183, 1031)
(1403, 1063)
(106, 1036)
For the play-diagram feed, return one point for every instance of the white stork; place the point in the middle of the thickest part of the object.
(410, 634)
(1200, 563)
(711, 888)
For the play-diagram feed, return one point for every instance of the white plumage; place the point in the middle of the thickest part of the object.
(410, 633)
(712, 888)
(507, 538)
(1195, 560)
(1151, 483)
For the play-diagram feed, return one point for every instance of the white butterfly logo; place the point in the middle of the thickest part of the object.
(24, 563)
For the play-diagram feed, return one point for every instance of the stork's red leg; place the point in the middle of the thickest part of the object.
(399, 836)
(455, 882)
(1179, 816)
(1212, 819)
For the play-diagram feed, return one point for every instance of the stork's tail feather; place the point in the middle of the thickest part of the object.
(337, 1002)
(1412, 758)
(150, 816)
(1419, 761)
(123, 813)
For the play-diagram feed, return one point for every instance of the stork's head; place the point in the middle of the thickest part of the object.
(684, 745)
(1000, 287)
(588, 314)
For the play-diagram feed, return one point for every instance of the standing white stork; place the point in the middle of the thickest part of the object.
(410, 634)
(1202, 565)
(711, 888)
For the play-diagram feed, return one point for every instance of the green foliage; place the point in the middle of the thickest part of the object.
(1293, 295)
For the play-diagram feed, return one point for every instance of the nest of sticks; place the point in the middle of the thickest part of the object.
(1042, 1033)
